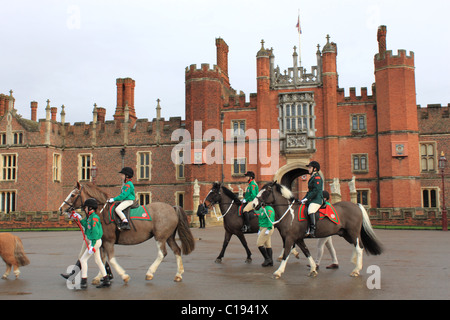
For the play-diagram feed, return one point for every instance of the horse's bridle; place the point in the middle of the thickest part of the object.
(71, 205)
(212, 204)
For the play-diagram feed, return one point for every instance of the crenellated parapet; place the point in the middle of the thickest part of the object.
(205, 72)
(390, 60)
(353, 98)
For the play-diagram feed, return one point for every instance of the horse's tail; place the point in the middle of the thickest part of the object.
(368, 237)
(19, 253)
(184, 232)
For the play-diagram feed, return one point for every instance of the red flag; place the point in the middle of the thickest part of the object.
(299, 28)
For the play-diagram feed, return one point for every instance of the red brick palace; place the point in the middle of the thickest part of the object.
(381, 150)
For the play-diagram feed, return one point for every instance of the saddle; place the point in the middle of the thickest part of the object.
(126, 212)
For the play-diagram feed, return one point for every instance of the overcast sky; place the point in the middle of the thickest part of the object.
(71, 52)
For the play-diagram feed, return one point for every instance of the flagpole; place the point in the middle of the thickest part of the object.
(299, 41)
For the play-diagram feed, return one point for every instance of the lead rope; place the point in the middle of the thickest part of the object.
(223, 215)
(288, 209)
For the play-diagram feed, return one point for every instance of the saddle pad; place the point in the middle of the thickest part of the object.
(139, 213)
(252, 213)
(329, 211)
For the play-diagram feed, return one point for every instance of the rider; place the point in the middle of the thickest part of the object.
(127, 196)
(94, 232)
(314, 196)
(266, 219)
(250, 193)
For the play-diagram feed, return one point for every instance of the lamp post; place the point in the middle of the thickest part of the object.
(442, 165)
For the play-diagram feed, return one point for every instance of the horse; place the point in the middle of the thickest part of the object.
(12, 252)
(229, 205)
(354, 226)
(165, 222)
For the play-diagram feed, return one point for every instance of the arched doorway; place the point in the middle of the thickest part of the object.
(291, 175)
(295, 176)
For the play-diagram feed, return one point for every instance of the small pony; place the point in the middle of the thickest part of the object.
(11, 251)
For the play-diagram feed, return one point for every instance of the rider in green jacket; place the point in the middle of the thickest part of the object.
(314, 196)
(250, 193)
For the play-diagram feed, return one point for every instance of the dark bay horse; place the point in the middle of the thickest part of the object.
(166, 221)
(355, 227)
(229, 205)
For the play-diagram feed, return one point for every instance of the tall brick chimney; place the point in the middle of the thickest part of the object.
(34, 106)
(125, 95)
(381, 37)
(222, 59)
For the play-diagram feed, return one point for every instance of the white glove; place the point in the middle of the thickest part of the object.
(91, 250)
(111, 200)
(304, 200)
(267, 232)
(75, 215)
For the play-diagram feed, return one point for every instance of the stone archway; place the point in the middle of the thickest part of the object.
(287, 174)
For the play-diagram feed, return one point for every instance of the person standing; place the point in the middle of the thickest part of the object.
(201, 212)
(94, 232)
(264, 242)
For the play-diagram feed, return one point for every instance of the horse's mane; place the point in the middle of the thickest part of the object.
(95, 192)
(283, 190)
(230, 194)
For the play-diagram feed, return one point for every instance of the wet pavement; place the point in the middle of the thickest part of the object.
(415, 265)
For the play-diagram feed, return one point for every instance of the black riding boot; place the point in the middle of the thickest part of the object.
(124, 225)
(108, 271)
(246, 226)
(312, 225)
(74, 271)
(104, 283)
(267, 258)
(83, 283)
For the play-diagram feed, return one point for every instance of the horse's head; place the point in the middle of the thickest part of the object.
(214, 195)
(265, 196)
(73, 201)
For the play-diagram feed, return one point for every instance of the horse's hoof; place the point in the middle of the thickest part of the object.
(313, 274)
(126, 278)
(178, 279)
(148, 277)
(248, 260)
(95, 281)
(297, 255)
(218, 260)
(276, 276)
(280, 259)
(354, 274)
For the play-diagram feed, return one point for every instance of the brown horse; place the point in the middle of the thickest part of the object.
(12, 252)
(354, 227)
(166, 221)
(229, 205)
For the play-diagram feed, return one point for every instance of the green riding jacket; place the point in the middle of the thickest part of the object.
(315, 187)
(92, 227)
(251, 192)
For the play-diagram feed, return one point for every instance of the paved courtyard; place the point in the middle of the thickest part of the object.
(415, 265)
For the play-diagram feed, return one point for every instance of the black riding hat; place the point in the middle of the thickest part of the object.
(127, 171)
(314, 164)
(91, 203)
(250, 174)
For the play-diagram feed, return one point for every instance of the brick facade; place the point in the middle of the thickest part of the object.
(368, 145)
